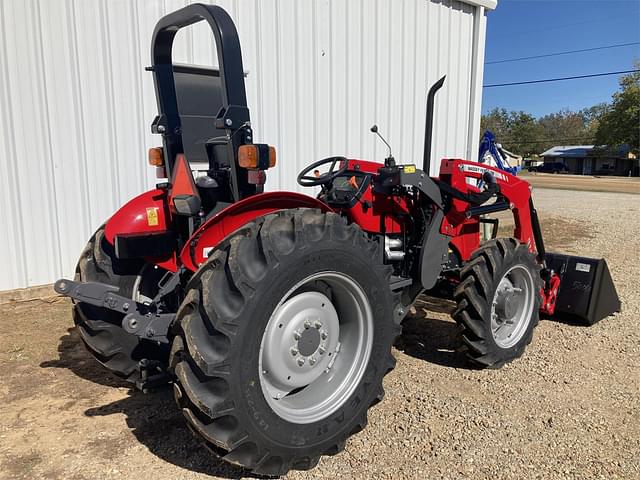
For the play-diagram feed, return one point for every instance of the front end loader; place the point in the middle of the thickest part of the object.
(274, 314)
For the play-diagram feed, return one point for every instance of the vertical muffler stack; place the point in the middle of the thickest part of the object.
(587, 293)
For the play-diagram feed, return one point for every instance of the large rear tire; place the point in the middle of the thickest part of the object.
(99, 328)
(498, 302)
(283, 340)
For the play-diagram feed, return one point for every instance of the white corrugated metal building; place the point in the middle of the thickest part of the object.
(77, 104)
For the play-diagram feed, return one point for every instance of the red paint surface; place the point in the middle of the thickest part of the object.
(132, 216)
(214, 230)
(549, 295)
(466, 231)
(385, 214)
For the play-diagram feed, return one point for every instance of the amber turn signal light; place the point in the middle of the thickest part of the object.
(156, 157)
(257, 156)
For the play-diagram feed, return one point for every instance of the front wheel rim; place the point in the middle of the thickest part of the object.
(512, 306)
(316, 347)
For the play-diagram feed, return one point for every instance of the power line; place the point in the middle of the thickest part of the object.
(560, 78)
(561, 53)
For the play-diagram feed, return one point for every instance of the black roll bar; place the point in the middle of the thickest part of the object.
(234, 114)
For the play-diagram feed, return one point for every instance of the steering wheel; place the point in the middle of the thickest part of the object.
(307, 180)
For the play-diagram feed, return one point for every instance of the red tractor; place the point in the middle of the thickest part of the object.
(274, 314)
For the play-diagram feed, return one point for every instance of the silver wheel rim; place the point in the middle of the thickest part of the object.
(512, 306)
(316, 347)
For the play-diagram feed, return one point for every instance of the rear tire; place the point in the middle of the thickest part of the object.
(225, 372)
(99, 328)
(497, 320)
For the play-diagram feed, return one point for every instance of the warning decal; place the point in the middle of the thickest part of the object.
(583, 267)
(152, 216)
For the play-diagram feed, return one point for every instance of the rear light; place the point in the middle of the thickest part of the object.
(257, 156)
(257, 177)
(161, 172)
(156, 157)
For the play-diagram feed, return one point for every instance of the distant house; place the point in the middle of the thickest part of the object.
(591, 160)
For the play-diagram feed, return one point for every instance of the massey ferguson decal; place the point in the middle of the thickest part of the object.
(480, 170)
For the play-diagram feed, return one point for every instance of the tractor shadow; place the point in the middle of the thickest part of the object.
(432, 339)
(157, 423)
(153, 418)
(73, 356)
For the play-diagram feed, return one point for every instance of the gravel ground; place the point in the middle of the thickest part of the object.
(570, 408)
(583, 182)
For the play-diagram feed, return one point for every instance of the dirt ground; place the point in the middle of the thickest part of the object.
(570, 408)
(584, 182)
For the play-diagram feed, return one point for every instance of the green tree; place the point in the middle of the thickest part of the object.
(524, 134)
(566, 128)
(620, 124)
(516, 131)
(497, 121)
(591, 117)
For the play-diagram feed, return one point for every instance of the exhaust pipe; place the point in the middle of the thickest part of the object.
(428, 127)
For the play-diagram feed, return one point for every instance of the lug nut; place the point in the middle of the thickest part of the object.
(317, 325)
(307, 324)
(294, 351)
(323, 335)
(321, 350)
(296, 335)
(312, 361)
(300, 362)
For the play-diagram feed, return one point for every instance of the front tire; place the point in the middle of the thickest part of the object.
(283, 340)
(498, 302)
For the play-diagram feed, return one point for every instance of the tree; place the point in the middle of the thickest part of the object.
(566, 128)
(516, 131)
(591, 117)
(524, 134)
(620, 124)
(497, 121)
(603, 124)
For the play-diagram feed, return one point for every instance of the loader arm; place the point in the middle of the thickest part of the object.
(462, 219)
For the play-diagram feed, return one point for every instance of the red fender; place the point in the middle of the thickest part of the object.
(145, 213)
(227, 221)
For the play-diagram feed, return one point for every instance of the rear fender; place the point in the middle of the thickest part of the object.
(216, 228)
(146, 213)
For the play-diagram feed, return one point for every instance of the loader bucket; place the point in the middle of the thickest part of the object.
(587, 293)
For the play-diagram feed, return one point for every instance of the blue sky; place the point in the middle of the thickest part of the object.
(519, 28)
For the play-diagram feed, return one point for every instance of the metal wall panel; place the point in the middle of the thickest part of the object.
(76, 102)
